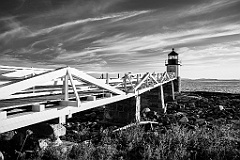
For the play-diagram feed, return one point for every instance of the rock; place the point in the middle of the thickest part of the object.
(43, 143)
(146, 110)
(42, 130)
(73, 131)
(69, 125)
(203, 103)
(187, 99)
(220, 121)
(107, 115)
(201, 121)
(57, 142)
(18, 140)
(58, 130)
(192, 119)
(235, 124)
(189, 126)
(1, 156)
(181, 106)
(7, 136)
(184, 120)
(91, 116)
(221, 107)
(172, 105)
(165, 120)
(191, 105)
(180, 114)
(210, 119)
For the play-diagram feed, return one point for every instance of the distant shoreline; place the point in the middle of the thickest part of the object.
(211, 80)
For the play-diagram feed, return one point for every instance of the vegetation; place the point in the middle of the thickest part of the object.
(175, 143)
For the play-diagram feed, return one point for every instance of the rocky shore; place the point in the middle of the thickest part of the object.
(203, 108)
(190, 110)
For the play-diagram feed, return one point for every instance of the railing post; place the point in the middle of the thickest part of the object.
(137, 78)
(125, 82)
(154, 75)
(158, 76)
(107, 78)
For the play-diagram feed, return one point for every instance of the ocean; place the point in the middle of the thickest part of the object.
(211, 85)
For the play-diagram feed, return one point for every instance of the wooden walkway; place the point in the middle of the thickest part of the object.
(29, 96)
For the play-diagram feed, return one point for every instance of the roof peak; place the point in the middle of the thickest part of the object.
(173, 52)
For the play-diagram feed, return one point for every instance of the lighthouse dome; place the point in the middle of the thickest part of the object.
(173, 53)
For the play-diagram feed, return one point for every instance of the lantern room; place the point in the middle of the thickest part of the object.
(172, 63)
(172, 58)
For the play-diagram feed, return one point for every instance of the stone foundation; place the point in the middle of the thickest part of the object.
(121, 112)
(124, 112)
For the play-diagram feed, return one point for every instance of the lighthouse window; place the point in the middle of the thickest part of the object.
(172, 57)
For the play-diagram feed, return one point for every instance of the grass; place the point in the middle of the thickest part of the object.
(177, 143)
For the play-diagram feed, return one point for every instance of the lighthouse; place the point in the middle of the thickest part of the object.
(173, 67)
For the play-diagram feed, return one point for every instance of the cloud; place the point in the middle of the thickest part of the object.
(123, 35)
(119, 16)
(12, 29)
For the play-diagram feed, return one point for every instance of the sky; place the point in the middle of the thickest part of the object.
(120, 36)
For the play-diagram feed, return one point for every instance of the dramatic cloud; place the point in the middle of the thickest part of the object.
(122, 35)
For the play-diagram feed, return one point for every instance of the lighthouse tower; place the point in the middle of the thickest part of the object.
(173, 67)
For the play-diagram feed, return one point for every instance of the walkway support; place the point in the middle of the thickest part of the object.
(62, 119)
(162, 98)
(173, 93)
(138, 108)
(3, 115)
(65, 87)
(74, 88)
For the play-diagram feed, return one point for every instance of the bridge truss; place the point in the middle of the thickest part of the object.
(23, 99)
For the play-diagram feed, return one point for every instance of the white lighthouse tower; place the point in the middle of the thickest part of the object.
(173, 67)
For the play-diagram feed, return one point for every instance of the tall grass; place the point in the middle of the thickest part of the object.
(177, 143)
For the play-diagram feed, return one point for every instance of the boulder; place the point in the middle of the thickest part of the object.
(1, 156)
(58, 130)
(42, 130)
(180, 114)
(7, 136)
(201, 121)
(220, 121)
(43, 143)
(165, 120)
(45, 130)
(187, 99)
(192, 119)
(146, 110)
(235, 124)
(184, 120)
(221, 107)
(172, 105)
(191, 105)
(203, 103)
